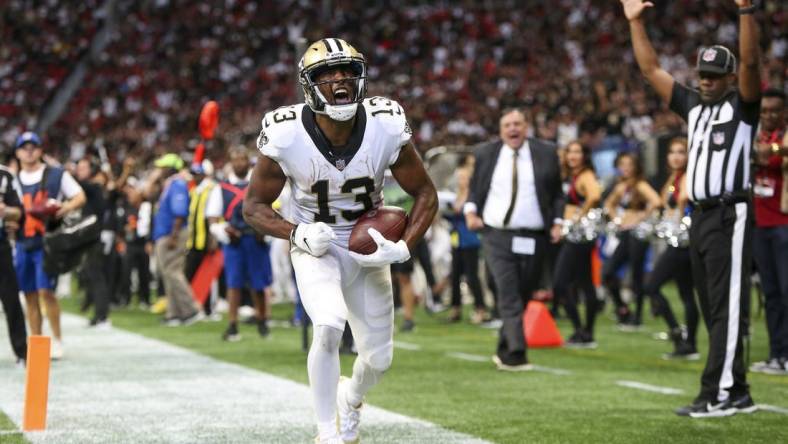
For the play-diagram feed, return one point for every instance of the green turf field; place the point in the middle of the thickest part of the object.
(9, 433)
(574, 399)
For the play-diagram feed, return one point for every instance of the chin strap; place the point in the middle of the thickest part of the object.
(341, 113)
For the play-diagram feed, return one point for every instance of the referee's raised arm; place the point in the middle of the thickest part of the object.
(749, 66)
(645, 55)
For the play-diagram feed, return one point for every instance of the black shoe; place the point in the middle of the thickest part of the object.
(407, 326)
(262, 327)
(744, 404)
(705, 409)
(683, 350)
(231, 334)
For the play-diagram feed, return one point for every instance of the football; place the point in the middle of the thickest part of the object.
(389, 221)
(44, 210)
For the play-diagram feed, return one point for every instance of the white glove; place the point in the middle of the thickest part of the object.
(313, 238)
(217, 230)
(388, 252)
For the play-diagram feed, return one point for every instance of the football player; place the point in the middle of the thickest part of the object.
(333, 151)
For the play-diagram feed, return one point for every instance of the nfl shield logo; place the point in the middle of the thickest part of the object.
(718, 138)
(340, 163)
(709, 55)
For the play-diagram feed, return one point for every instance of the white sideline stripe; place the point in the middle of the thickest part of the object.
(119, 387)
(10, 432)
(552, 371)
(650, 388)
(407, 346)
(469, 357)
(772, 408)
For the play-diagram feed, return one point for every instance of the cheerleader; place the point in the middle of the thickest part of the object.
(573, 266)
(674, 263)
(630, 203)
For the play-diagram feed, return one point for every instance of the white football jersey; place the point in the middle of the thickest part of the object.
(335, 187)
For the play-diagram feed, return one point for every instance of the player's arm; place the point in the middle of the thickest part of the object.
(645, 55)
(409, 172)
(266, 184)
(74, 194)
(749, 68)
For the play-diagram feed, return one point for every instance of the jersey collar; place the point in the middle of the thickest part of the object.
(341, 157)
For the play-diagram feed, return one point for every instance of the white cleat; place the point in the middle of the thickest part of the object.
(349, 416)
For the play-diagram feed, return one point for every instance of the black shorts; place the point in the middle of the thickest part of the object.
(404, 267)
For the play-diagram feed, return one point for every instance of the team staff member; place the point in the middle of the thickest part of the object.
(582, 192)
(199, 240)
(722, 122)
(674, 263)
(633, 200)
(246, 256)
(39, 183)
(10, 214)
(770, 246)
(169, 237)
(515, 196)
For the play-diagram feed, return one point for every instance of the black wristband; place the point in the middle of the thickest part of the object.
(748, 10)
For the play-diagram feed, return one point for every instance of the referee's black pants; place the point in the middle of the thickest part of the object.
(9, 296)
(720, 250)
(516, 276)
(674, 264)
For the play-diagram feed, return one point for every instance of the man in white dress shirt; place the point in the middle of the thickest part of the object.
(515, 200)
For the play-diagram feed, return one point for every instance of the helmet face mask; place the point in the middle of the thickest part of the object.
(328, 55)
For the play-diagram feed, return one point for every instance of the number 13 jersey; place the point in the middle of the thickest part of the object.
(335, 186)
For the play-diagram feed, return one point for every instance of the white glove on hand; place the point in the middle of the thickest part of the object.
(218, 232)
(313, 238)
(388, 252)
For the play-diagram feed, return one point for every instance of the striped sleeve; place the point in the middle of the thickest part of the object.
(683, 99)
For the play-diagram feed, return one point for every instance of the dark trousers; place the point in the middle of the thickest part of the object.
(465, 262)
(94, 280)
(193, 260)
(516, 276)
(9, 296)
(633, 251)
(573, 273)
(720, 250)
(674, 264)
(136, 259)
(770, 249)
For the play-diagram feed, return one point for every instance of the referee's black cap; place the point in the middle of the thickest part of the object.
(716, 59)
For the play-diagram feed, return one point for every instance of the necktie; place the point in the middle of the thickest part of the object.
(514, 190)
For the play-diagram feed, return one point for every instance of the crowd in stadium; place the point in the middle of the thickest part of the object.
(127, 139)
(141, 93)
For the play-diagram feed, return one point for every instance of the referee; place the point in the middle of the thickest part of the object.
(722, 122)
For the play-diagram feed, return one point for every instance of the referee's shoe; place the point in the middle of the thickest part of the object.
(705, 409)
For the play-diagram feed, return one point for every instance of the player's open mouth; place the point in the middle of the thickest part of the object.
(341, 96)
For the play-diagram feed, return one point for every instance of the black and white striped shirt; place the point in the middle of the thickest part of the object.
(720, 137)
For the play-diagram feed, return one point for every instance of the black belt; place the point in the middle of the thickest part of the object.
(726, 199)
(521, 231)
